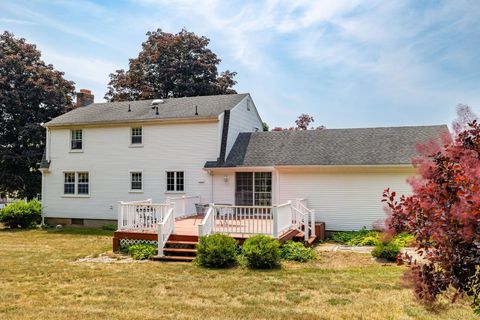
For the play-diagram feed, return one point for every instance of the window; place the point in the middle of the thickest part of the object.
(82, 186)
(137, 135)
(69, 183)
(136, 183)
(175, 181)
(253, 188)
(76, 183)
(76, 140)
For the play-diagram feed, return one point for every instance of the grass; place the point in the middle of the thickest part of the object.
(40, 279)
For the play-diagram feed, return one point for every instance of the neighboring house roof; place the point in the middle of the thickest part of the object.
(174, 108)
(362, 146)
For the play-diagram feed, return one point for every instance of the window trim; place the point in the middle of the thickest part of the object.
(75, 194)
(71, 140)
(136, 145)
(253, 174)
(175, 182)
(130, 181)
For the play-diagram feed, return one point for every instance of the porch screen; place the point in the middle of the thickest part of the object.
(253, 188)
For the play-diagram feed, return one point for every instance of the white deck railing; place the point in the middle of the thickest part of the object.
(165, 229)
(283, 220)
(141, 215)
(184, 205)
(206, 226)
(243, 220)
(304, 218)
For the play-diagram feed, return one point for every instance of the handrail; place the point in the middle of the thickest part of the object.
(184, 206)
(142, 215)
(165, 229)
(206, 226)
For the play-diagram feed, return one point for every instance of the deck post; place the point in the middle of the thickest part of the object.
(160, 241)
(275, 221)
(312, 223)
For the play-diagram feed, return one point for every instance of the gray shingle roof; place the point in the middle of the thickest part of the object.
(363, 146)
(174, 108)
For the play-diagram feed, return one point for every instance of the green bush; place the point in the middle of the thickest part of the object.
(261, 252)
(21, 214)
(142, 251)
(216, 251)
(296, 251)
(387, 251)
(403, 239)
(362, 237)
(109, 227)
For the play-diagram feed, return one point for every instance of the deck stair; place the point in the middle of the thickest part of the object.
(179, 248)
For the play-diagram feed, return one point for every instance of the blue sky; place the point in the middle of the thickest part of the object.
(348, 63)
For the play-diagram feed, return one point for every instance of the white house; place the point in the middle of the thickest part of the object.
(212, 149)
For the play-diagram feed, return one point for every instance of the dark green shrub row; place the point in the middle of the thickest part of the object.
(22, 214)
(258, 252)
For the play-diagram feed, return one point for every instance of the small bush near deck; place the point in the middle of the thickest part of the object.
(296, 251)
(387, 251)
(261, 252)
(22, 214)
(216, 251)
(361, 237)
(109, 227)
(142, 251)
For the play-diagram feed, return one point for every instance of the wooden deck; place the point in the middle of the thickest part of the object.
(186, 229)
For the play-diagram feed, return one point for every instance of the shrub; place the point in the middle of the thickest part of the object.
(142, 251)
(362, 237)
(404, 239)
(21, 214)
(296, 251)
(109, 227)
(216, 251)
(387, 251)
(261, 252)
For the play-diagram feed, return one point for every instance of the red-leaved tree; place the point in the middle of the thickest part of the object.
(302, 123)
(443, 213)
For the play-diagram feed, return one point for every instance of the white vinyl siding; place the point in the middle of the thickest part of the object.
(167, 147)
(242, 120)
(344, 201)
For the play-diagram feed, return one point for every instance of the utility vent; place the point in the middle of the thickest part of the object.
(157, 101)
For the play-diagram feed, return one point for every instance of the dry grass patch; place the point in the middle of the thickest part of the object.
(40, 278)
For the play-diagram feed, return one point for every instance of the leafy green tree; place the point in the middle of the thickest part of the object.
(171, 65)
(31, 92)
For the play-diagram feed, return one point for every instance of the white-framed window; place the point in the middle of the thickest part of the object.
(175, 181)
(76, 139)
(136, 136)
(76, 183)
(136, 183)
(69, 183)
(83, 182)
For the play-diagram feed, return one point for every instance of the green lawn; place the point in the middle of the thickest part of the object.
(40, 279)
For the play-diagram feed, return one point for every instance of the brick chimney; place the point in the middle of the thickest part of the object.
(84, 98)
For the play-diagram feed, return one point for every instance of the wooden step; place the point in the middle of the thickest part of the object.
(173, 258)
(192, 243)
(180, 250)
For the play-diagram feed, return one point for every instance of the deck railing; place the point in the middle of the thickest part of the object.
(141, 215)
(304, 218)
(247, 220)
(206, 226)
(184, 205)
(165, 229)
